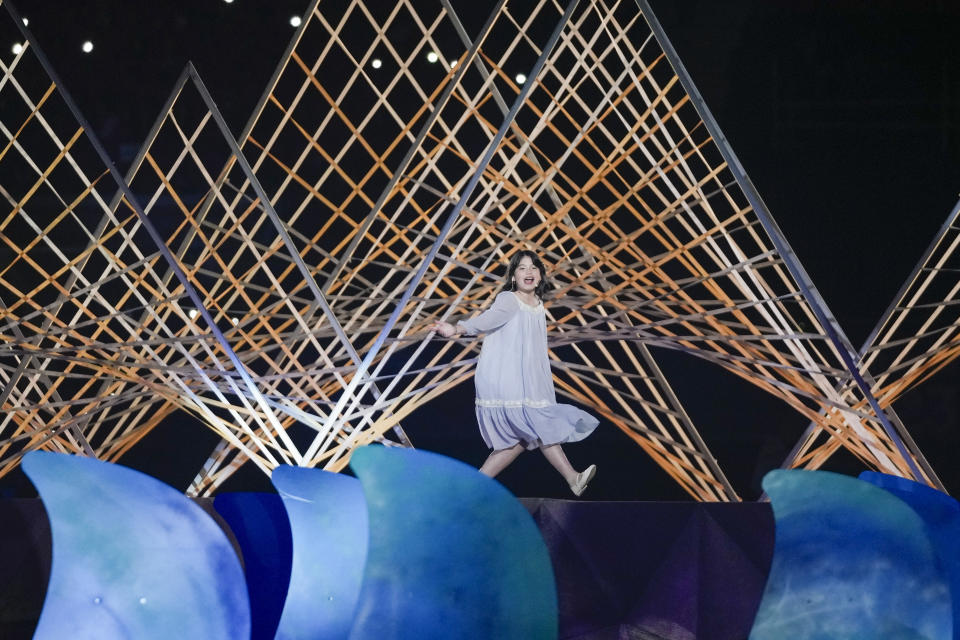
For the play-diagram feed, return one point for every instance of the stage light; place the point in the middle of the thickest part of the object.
(26, 22)
(432, 56)
(235, 321)
(87, 47)
(376, 63)
(453, 64)
(17, 48)
(521, 78)
(295, 21)
(228, 1)
(192, 313)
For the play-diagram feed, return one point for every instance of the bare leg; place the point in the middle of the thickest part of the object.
(499, 460)
(555, 456)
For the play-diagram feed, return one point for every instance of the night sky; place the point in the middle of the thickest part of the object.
(844, 114)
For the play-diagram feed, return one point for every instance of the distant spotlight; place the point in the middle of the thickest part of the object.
(87, 47)
(192, 313)
(453, 64)
(17, 48)
(520, 78)
(295, 21)
(228, 1)
(376, 63)
(26, 22)
(235, 321)
(432, 56)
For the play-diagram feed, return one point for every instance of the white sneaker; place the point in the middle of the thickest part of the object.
(583, 479)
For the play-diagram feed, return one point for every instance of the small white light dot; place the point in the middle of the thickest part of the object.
(295, 21)
(192, 313)
(520, 78)
(376, 63)
(87, 47)
(142, 601)
(453, 64)
(97, 600)
(17, 48)
(432, 56)
(234, 321)
(26, 22)
(228, 1)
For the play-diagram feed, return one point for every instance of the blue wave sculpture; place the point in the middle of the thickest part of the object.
(850, 561)
(259, 524)
(132, 558)
(941, 516)
(328, 521)
(452, 554)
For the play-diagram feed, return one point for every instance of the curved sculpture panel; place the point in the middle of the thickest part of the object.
(328, 521)
(132, 558)
(850, 561)
(452, 554)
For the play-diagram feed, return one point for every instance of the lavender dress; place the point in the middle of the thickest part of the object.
(516, 401)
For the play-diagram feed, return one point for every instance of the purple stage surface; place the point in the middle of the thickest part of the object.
(638, 570)
(647, 570)
(25, 545)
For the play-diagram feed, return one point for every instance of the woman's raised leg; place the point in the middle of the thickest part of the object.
(577, 481)
(555, 456)
(499, 460)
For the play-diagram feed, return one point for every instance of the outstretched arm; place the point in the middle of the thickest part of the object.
(446, 329)
(492, 319)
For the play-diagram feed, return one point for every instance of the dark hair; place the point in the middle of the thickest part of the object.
(537, 262)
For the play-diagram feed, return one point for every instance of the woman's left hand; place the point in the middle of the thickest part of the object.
(445, 329)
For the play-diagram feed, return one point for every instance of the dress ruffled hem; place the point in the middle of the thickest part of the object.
(504, 426)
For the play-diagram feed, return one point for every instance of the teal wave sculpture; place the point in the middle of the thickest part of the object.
(452, 554)
(851, 561)
(132, 558)
(328, 522)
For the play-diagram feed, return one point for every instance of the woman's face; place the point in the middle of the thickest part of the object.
(527, 276)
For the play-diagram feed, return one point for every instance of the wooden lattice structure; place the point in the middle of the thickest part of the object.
(279, 286)
(917, 336)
